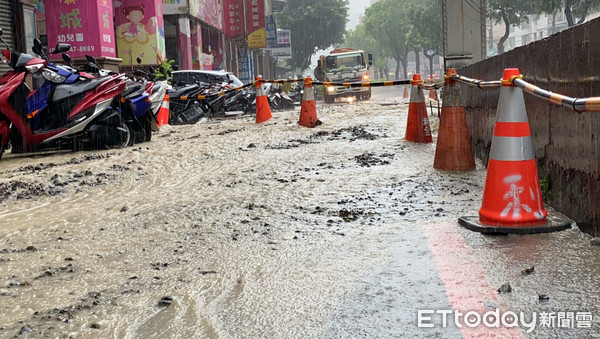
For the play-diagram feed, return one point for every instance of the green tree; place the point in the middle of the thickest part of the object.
(510, 12)
(579, 9)
(360, 40)
(425, 32)
(573, 9)
(387, 21)
(315, 25)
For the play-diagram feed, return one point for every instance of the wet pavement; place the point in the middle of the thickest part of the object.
(236, 230)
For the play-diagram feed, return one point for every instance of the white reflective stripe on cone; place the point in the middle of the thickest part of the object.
(512, 148)
(309, 94)
(416, 94)
(259, 91)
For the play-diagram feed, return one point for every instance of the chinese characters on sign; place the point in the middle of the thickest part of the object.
(86, 25)
(271, 29)
(255, 23)
(234, 18)
(284, 37)
(284, 45)
(245, 65)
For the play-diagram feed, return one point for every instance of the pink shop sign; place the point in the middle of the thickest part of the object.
(86, 25)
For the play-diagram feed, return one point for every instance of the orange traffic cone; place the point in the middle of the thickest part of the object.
(512, 199)
(263, 110)
(405, 94)
(308, 111)
(417, 127)
(163, 112)
(453, 151)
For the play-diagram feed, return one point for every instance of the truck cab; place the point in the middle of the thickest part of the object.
(344, 65)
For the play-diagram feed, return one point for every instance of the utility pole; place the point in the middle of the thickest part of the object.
(464, 32)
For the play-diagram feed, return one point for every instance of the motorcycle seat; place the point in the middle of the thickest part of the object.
(177, 93)
(131, 87)
(155, 89)
(67, 90)
(134, 90)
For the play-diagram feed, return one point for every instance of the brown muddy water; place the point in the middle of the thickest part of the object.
(238, 230)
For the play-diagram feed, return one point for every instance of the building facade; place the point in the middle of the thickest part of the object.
(197, 34)
(537, 27)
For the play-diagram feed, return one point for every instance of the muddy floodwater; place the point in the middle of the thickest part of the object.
(236, 230)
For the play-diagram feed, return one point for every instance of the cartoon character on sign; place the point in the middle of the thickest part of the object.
(134, 30)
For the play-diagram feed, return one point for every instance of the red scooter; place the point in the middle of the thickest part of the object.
(58, 113)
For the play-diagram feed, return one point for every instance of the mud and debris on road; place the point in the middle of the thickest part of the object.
(241, 230)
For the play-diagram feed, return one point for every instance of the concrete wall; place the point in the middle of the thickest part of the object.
(566, 143)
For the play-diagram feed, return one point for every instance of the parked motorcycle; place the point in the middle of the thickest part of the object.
(239, 102)
(279, 100)
(188, 111)
(134, 102)
(297, 92)
(156, 89)
(74, 112)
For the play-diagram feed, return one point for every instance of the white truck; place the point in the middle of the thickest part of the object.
(344, 65)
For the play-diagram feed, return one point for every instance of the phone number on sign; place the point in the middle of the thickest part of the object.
(83, 48)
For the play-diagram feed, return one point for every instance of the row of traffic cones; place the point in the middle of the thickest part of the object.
(512, 199)
(308, 110)
(308, 114)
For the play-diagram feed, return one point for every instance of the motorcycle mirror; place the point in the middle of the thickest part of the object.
(90, 58)
(2, 39)
(36, 50)
(139, 61)
(61, 48)
(67, 59)
(370, 57)
(175, 67)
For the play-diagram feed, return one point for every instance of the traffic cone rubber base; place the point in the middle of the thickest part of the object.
(555, 222)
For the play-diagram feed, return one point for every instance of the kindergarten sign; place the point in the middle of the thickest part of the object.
(86, 25)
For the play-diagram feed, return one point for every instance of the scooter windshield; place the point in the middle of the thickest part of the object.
(18, 59)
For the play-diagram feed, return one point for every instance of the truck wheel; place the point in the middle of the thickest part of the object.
(328, 98)
(366, 95)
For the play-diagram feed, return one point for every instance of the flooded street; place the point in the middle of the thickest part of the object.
(238, 230)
